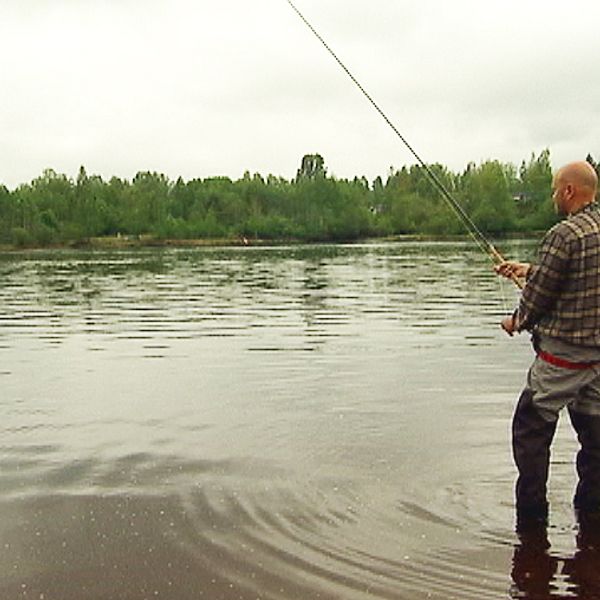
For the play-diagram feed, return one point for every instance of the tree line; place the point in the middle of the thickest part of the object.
(499, 197)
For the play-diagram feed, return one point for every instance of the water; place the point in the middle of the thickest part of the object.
(276, 423)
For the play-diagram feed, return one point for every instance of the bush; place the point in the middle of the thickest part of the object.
(21, 237)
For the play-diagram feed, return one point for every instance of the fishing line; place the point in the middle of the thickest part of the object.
(480, 239)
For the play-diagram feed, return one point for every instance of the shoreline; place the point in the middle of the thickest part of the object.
(148, 241)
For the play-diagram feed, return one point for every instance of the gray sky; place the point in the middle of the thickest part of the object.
(200, 88)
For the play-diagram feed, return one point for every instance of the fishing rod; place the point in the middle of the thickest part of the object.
(480, 239)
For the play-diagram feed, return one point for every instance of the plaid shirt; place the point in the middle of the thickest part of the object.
(562, 296)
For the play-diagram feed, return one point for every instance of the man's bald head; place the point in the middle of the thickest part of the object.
(579, 173)
(574, 186)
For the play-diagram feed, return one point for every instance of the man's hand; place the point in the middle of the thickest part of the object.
(509, 324)
(512, 269)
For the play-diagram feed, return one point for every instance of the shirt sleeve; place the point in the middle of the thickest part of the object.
(544, 280)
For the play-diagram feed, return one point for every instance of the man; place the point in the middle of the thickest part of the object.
(560, 306)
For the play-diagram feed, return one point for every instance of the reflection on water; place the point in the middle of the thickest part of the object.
(278, 423)
(539, 574)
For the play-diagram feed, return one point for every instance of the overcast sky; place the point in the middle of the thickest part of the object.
(197, 88)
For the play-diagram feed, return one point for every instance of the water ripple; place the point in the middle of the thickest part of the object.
(277, 423)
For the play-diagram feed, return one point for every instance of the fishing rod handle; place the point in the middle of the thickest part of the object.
(498, 258)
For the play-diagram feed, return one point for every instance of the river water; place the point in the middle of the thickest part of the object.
(306, 422)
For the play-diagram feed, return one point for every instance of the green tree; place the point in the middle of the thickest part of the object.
(596, 166)
(535, 208)
(312, 206)
(485, 196)
(7, 216)
(311, 167)
(148, 202)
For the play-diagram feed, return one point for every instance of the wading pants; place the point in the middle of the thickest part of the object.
(548, 390)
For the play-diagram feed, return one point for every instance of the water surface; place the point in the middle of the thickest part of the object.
(276, 423)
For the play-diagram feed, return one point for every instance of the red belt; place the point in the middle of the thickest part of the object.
(565, 364)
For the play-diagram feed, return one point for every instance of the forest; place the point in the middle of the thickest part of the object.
(57, 210)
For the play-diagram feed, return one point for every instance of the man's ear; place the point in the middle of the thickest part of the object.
(569, 190)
